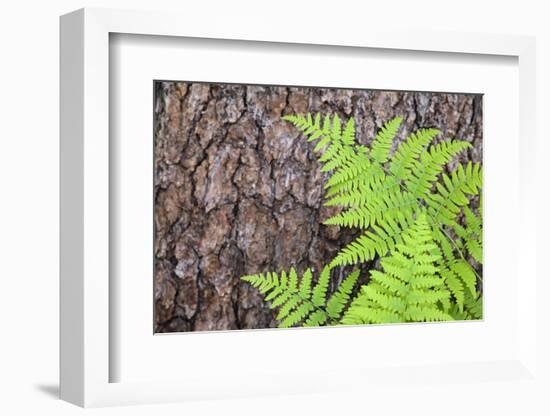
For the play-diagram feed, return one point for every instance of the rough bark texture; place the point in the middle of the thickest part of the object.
(238, 191)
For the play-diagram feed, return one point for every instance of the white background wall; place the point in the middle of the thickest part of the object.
(29, 177)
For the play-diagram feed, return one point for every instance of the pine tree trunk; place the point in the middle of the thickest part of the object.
(238, 191)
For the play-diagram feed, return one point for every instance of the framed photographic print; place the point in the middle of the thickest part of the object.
(240, 193)
(277, 213)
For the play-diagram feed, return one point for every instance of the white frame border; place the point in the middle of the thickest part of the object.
(84, 181)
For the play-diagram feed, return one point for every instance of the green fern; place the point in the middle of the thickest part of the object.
(414, 216)
(471, 310)
(298, 302)
(383, 194)
(409, 289)
(382, 144)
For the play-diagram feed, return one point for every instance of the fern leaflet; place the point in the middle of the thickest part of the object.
(409, 289)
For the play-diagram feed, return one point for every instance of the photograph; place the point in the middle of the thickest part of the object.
(291, 206)
(275, 208)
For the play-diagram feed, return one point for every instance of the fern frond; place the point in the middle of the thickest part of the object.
(336, 145)
(292, 319)
(452, 195)
(351, 186)
(475, 249)
(340, 298)
(355, 164)
(383, 141)
(407, 208)
(466, 274)
(409, 289)
(305, 284)
(288, 306)
(408, 151)
(473, 235)
(430, 165)
(338, 156)
(474, 306)
(472, 310)
(297, 302)
(380, 206)
(455, 285)
(379, 241)
(348, 135)
(317, 318)
(458, 274)
(320, 291)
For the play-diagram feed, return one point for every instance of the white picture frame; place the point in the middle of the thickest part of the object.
(85, 165)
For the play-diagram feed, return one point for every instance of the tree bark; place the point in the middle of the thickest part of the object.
(239, 191)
